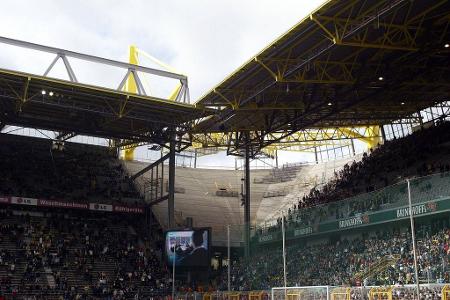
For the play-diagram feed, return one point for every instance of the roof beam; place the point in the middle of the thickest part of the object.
(64, 136)
(91, 58)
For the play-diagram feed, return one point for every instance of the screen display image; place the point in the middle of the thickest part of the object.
(188, 248)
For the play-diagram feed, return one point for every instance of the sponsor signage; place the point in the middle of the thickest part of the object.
(126, 209)
(417, 209)
(354, 222)
(72, 205)
(62, 204)
(265, 238)
(100, 207)
(303, 231)
(24, 201)
(376, 217)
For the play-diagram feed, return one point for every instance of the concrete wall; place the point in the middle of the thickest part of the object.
(200, 202)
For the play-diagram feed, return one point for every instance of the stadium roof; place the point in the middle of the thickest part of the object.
(74, 108)
(349, 63)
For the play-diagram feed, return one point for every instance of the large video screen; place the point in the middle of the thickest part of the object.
(188, 248)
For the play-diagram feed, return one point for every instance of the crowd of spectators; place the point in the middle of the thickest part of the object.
(34, 168)
(345, 262)
(73, 254)
(422, 153)
(78, 256)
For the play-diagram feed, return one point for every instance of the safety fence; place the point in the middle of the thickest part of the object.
(429, 195)
(405, 292)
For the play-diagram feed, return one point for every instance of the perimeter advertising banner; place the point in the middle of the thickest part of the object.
(4, 200)
(368, 218)
(71, 205)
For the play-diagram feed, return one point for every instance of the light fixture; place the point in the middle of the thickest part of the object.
(329, 103)
(380, 78)
(402, 103)
(447, 45)
(43, 92)
(50, 94)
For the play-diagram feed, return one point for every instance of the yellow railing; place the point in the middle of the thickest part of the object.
(297, 295)
(446, 292)
(380, 293)
(258, 295)
(341, 294)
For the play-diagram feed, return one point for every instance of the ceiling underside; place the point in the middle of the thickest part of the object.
(349, 63)
(74, 108)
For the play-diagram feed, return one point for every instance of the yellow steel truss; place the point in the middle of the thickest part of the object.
(325, 72)
(304, 65)
(302, 141)
(131, 87)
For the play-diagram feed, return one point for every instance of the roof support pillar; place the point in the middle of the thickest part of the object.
(383, 133)
(171, 199)
(247, 199)
(315, 155)
(276, 158)
(195, 158)
(419, 115)
(353, 147)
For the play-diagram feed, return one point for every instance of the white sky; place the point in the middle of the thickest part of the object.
(206, 40)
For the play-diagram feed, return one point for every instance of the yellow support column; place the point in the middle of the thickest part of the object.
(131, 87)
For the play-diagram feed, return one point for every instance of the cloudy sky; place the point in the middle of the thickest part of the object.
(204, 39)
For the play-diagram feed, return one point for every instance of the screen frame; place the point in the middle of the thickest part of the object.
(184, 268)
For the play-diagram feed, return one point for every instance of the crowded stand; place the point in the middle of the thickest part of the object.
(71, 231)
(344, 262)
(58, 253)
(39, 168)
(62, 255)
(340, 262)
(422, 153)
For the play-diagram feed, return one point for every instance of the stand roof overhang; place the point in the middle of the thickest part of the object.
(90, 110)
(349, 63)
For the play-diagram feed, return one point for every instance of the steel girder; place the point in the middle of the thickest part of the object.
(351, 63)
(307, 138)
(77, 108)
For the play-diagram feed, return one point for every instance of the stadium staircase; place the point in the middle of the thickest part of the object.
(151, 187)
(107, 266)
(68, 271)
(7, 243)
(378, 267)
(10, 246)
(287, 173)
